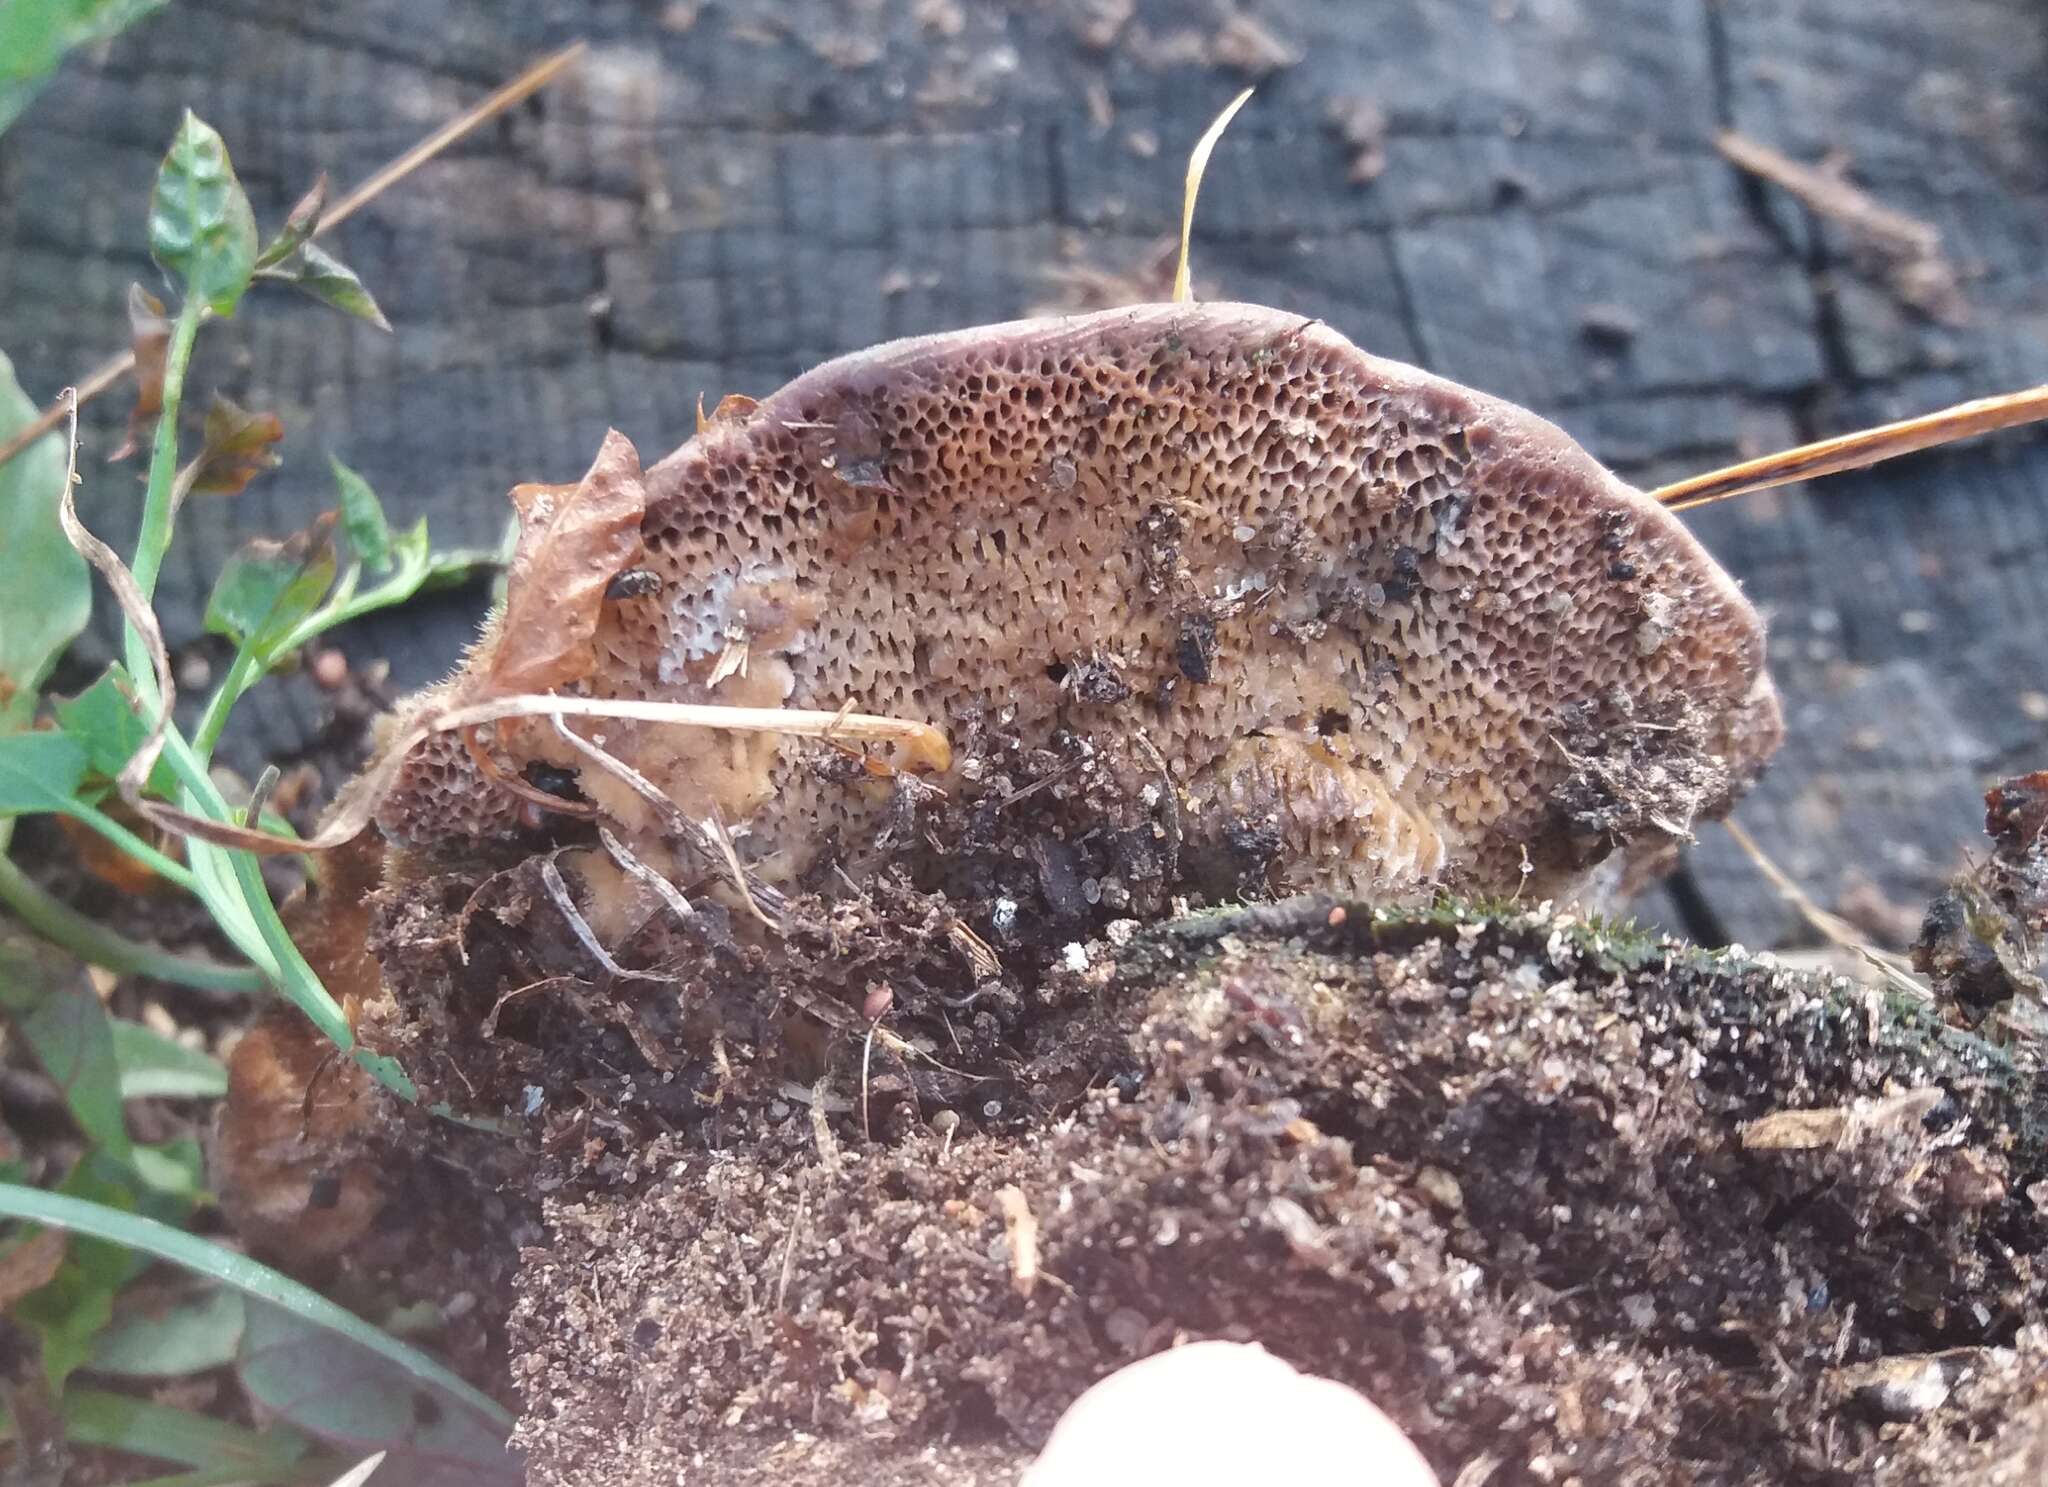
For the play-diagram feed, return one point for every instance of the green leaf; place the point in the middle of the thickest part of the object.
(362, 518)
(65, 1024)
(198, 1332)
(314, 270)
(200, 224)
(103, 718)
(119, 1422)
(299, 226)
(258, 1281)
(35, 35)
(39, 772)
(155, 1067)
(45, 587)
(268, 587)
(327, 1386)
(172, 1172)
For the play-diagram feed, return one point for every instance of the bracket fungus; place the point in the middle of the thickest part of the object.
(1407, 636)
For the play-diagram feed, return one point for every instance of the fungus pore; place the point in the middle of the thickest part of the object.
(1415, 634)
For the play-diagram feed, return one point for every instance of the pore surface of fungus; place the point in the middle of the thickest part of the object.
(1414, 633)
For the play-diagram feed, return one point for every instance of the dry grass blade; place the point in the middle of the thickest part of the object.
(1894, 968)
(729, 854)
(1198, 162)
(558, 894)
(665, 890)
(114, 368)
(358, 1474)
(697, 834)
(1857, 450)
(358, 802)
(134, 607)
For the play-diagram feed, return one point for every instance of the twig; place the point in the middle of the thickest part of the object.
(511, 94)
(114, 368)
(1904, 249)
(867, 1049)
(729, 852)
(490, 1023)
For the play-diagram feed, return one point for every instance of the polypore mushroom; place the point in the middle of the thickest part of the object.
(1413, 634)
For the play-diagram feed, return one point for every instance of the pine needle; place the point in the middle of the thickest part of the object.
(1895, 969)
(1856, 451)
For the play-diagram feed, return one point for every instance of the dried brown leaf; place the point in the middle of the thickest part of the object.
(237, 448)
(111, 865)
(734, 407)
(149, 337)
(30, 1265)
(135, 607)
(572, 542)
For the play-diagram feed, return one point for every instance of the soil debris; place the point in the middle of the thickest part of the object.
(1490, 1170)
(1983, 938)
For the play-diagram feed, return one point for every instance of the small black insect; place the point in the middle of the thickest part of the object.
(552, 779)
(632, 584)
(1196, 647)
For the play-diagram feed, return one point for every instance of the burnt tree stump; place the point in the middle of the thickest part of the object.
(724, 194)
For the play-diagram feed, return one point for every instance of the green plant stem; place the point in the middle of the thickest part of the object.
(90, 941)
(229, 882)
(132, 845)
(243, 672)
(155, 537)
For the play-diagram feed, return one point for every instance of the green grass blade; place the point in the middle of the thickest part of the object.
(245, 1275)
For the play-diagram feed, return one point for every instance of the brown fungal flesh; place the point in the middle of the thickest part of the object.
(1416, 631)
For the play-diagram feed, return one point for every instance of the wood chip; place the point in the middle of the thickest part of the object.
(1021, 1225)
(1840, 1126)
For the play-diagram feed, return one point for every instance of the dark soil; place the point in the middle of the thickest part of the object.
(1490, 1169)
